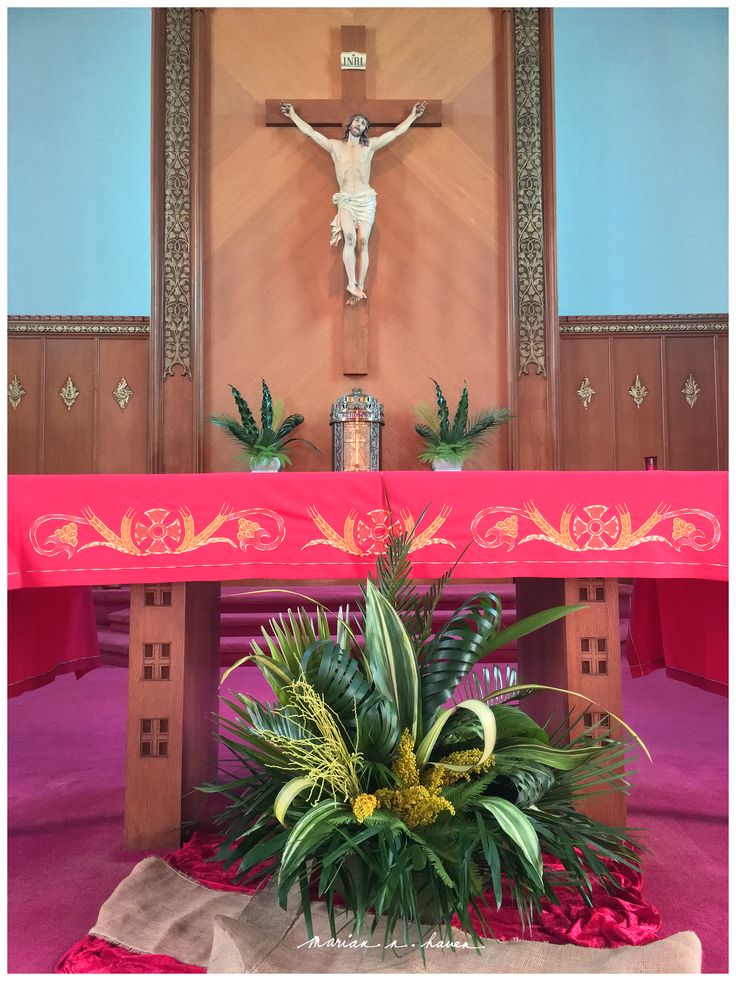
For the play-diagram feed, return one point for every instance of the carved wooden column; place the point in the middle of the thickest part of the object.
(582, 653)
(177, 369)
(173, 672)
(534, 371)
(174, 630)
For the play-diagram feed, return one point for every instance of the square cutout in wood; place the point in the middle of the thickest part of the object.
(592, 590)
(154, 737)
(157, 594)
(157, 662)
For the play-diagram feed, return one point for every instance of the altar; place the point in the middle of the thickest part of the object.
(565, 536)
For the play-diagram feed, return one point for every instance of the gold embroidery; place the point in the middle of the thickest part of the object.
(247, 529)
(68, 534)
(369, 534)
(681, 529)
(157, 531)
(597, 526)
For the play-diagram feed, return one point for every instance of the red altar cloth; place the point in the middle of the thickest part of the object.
(50, 632)
(98, 529)
(681, 626)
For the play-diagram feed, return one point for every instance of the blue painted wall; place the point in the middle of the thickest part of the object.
(642, 140)
(79, 161)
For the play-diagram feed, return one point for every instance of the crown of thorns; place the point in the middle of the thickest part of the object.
(363, 135)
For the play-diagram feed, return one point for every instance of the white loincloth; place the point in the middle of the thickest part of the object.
(360, 207)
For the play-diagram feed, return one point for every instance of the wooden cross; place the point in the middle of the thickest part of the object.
(383, 113)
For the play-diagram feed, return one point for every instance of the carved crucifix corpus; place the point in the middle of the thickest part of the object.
(355, 201)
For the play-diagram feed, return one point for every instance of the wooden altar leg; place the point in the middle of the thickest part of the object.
(582, 653)
(173, 673)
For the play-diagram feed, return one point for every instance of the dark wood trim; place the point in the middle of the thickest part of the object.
(125, 328)
(549, 210)
(198, 103)
(158, 127)
(513, 281)
(648, 323)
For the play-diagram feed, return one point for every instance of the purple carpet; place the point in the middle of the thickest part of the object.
(66, 767)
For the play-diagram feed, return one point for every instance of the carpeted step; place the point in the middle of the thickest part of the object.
(244, 611)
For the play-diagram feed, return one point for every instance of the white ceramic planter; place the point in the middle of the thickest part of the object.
(446, 465)
(273, 466)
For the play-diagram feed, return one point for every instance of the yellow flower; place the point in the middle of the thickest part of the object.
(405, 766)
(363, 806)
(438, 777)
(414, 805)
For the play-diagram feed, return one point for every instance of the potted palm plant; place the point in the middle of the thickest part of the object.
(449, 445)
(263, 448)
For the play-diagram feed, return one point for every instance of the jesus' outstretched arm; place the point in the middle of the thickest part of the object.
(380, 141)
(304, 127)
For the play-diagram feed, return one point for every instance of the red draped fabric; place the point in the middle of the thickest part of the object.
(681, 626)
(50, 632)
(614, 918)
(98, 529)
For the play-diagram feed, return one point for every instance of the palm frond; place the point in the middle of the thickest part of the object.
(266, 407)
(246, 416)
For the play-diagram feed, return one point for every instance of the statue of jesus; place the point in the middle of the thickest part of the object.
(355, 199)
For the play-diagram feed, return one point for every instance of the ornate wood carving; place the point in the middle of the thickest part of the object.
(69, 393)
(15, 392)
(19, 326)
(586, 392)
(122, 393)
(530, 223)
(638, 391)
(691, 390)
(177, 172)
(681, 323)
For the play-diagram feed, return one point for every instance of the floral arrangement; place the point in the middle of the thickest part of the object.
(262, 446)
(391, 780)
(454, 442)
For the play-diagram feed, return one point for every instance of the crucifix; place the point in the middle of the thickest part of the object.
(355, 201)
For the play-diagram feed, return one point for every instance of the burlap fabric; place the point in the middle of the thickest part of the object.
(157, 910)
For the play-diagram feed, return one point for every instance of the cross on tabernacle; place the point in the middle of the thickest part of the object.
(383, 113)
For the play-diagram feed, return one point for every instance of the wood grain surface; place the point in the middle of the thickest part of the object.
(438, 282)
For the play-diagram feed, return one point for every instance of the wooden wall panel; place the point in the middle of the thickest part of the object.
(639, 429)
(691, 431)
(439, 277)
(587, 442)
(25, 423)
(721, 349)
(70, 442)
(613, 434)
(122, 443)
(94, 435)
